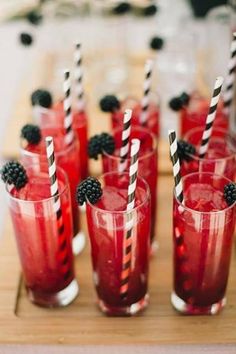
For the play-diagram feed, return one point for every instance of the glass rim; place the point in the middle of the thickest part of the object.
(44, 200)
(122, 212)
(153, 94)
(25, 152)
(140, 157)
(197, 158)
(204, 212)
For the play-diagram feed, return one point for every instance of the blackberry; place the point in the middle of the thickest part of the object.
(31, 133)
(109, 103)
(34, 17)
(149, 10)
(89, 189)
(99, 143)
(184, 97)
(41, 98)
(156, 43)
(175, 104)
(121, 8)
(14, 173)
(230, 193)
(26, 39)
(185, 150)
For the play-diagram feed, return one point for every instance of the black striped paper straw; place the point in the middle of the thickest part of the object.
(146, 91)
(176, 165)
(79, 77)
(211, 117)
(67, 108)
(124, 151)
(127, 248)
(230, 78)
(64, 257)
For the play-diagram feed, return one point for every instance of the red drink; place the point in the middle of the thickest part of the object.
(67, 158)
(147, 164)
(195, 113)
(54, 118)
(46, 257)
(153, 116)
(203, 233)
(107, 231)
(219, 159)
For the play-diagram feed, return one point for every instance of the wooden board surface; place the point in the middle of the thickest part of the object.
(83, 323)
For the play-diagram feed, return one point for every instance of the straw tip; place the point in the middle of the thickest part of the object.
(171, 131)
(48, 139)
(128, 112)
(66, 73)
(149, 63)
(219, 80)
(135, 143)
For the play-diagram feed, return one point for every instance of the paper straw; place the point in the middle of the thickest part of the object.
(124, 151)
(146, 91)
(211, 117)
(79, 77)
(176, 166)
(126, 261)
(230, 78)
(64, 258)
(67, 108)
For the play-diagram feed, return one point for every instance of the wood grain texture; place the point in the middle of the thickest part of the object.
(82, 322)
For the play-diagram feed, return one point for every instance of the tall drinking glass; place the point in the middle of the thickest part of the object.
(68, 159)
(203, 228)
(45, 254)
(107, 226)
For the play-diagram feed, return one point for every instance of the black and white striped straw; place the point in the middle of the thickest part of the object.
(146, 91)
(67, 108)
(64, 258)
(124, 151)
(79, 77)
(230, 78)
(211, 117)
(176, 165)
(127, 252)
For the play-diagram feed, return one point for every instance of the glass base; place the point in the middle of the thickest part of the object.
(187, 309)
(124, 311)
(78, 243)
(62, 298)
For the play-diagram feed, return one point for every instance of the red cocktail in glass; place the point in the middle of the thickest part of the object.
(68, 159)
(46, 256)
(147, 164)
(195, 113)
(220, 156)
(153, 114)
(203, 230)
(55, 118)
(107, 231)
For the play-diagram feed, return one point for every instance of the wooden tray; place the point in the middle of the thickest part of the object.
(83, 323)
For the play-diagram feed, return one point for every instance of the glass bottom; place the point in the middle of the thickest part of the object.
(124, 311)
(78, 243)
(187, 309)
(62, 298)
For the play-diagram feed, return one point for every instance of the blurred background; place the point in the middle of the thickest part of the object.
(189, 41)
